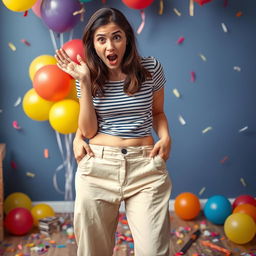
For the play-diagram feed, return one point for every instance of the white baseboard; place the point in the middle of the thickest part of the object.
(68, 206)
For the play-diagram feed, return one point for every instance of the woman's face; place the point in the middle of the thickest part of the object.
(110, 45)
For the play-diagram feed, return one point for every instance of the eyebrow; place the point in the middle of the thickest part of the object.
(116, 32)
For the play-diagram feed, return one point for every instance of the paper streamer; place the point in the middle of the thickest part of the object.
(143, 19)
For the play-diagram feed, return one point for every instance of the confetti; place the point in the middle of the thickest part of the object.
(216, 247)
(181, 119)
(178, 13)
(180, 40)
(207, 129)
(1, 110)
(224, 159)
(179, 241)
(239, 14)
(15, 125)
(161, 7)
(202, 57)
(30, 174)
(224, 27)
(12, 46)
(243, 182)
(202, 191)
(46, 153)
(237, 68)
(192, 76)
(143, 18)
(243, 129)
(13, 165)
(17, 102)
(24, 41)
(176, 93)
(25, 13)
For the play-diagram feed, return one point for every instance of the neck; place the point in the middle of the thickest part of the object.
(116, 75)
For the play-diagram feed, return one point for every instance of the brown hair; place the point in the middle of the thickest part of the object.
(136, 74)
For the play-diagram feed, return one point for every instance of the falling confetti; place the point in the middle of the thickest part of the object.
(1, 110)
(13, 165)
(202, 191)
(30, 174)
(207, 129)
(161, 7)
(24, 41)
(12, 46)
(243, 182)
(180, 40)
(224, 27)
(192, 76)
(224, 159)
(143, 18)
(46, 153)
(15, 125)
(178, 13)
(25, 13)
(176, 93)
(17, 102)
(202, 57)
(236, 68)
(182, 121)
(239, 14)
(243, 129)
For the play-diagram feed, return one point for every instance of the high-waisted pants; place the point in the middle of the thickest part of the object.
(117, 174)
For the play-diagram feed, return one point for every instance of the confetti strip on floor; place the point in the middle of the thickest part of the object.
(207, 129)
(17, 102)
(181, 119)
(12, 46)
(243, 129)
(177, 12)
(237, 68)
(202, 57)
(176, 93)
(224, 27)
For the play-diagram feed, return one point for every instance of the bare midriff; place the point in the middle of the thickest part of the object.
(115, 141)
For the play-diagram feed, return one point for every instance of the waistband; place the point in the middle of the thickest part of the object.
(123, 152)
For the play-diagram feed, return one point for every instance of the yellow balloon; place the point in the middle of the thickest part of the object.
(35, 107)
(19, 5)
(41, 211)
(240, 228)
(72, 94)
(15, 200)
(63, 116)
(39, 62)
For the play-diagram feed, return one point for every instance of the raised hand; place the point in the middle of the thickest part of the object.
(79, 71)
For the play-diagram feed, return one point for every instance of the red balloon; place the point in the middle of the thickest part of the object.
(73, 48)
(19, 221)
(51, 83)
(202, 2)
(138, 4)
(244, 199)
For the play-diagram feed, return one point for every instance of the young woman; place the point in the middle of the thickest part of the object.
(121, 98)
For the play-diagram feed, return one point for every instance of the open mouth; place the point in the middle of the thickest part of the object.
(112, 59)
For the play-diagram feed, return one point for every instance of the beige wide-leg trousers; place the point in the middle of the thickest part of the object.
(117, 174)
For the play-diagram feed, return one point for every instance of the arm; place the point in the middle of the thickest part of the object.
(160, 124)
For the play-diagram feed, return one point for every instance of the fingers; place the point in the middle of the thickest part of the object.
(80, 60)
(62, 57)
(154, 152)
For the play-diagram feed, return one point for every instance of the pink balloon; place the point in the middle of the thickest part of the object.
(36, 8)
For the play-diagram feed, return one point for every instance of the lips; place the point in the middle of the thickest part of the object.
(112, 58)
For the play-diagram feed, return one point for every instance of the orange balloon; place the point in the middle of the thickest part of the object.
(248, 209)
(187, 206)
(51, 83)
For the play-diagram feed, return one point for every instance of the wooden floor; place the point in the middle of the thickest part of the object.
(59, 244)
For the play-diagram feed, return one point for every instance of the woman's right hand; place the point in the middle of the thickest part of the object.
(81, 148)
(79, 72)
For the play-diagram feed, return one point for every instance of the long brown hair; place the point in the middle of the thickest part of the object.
(136, 74)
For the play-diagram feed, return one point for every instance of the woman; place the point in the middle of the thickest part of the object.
(121, 98)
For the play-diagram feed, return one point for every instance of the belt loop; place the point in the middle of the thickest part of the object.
(101, 151)
(144, 152)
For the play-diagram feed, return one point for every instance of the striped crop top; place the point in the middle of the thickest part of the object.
(127, 116)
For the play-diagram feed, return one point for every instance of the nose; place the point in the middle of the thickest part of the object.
(110, 45)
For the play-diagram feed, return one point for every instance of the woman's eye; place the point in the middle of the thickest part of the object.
(117, 37)
(101, 39)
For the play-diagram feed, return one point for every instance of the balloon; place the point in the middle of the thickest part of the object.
(16, 200)
(244, 199)
(240, 228)
(41, 211)
(63, 116)
(73, 48)
(37, 8)
(51, 83)
(18, 221)
(202, 2)
(36, 107)
(73, 94)
(19, 6)
(58, 14)
(137, 4)
(187, 206)
(39, 62)
(248, 209)
(217, 209)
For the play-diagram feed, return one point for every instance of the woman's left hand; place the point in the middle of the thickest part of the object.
(161, 148)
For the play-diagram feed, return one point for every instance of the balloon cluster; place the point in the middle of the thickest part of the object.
(239, 219)
(20, 215)
(53, 96)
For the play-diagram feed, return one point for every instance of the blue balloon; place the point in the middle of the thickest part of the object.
(217, 209)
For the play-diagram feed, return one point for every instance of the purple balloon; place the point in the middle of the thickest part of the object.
(58, 14)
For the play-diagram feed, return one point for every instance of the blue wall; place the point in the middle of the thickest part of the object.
(220, 97)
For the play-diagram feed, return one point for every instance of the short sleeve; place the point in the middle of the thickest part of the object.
(78, 89)
(158, 76)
